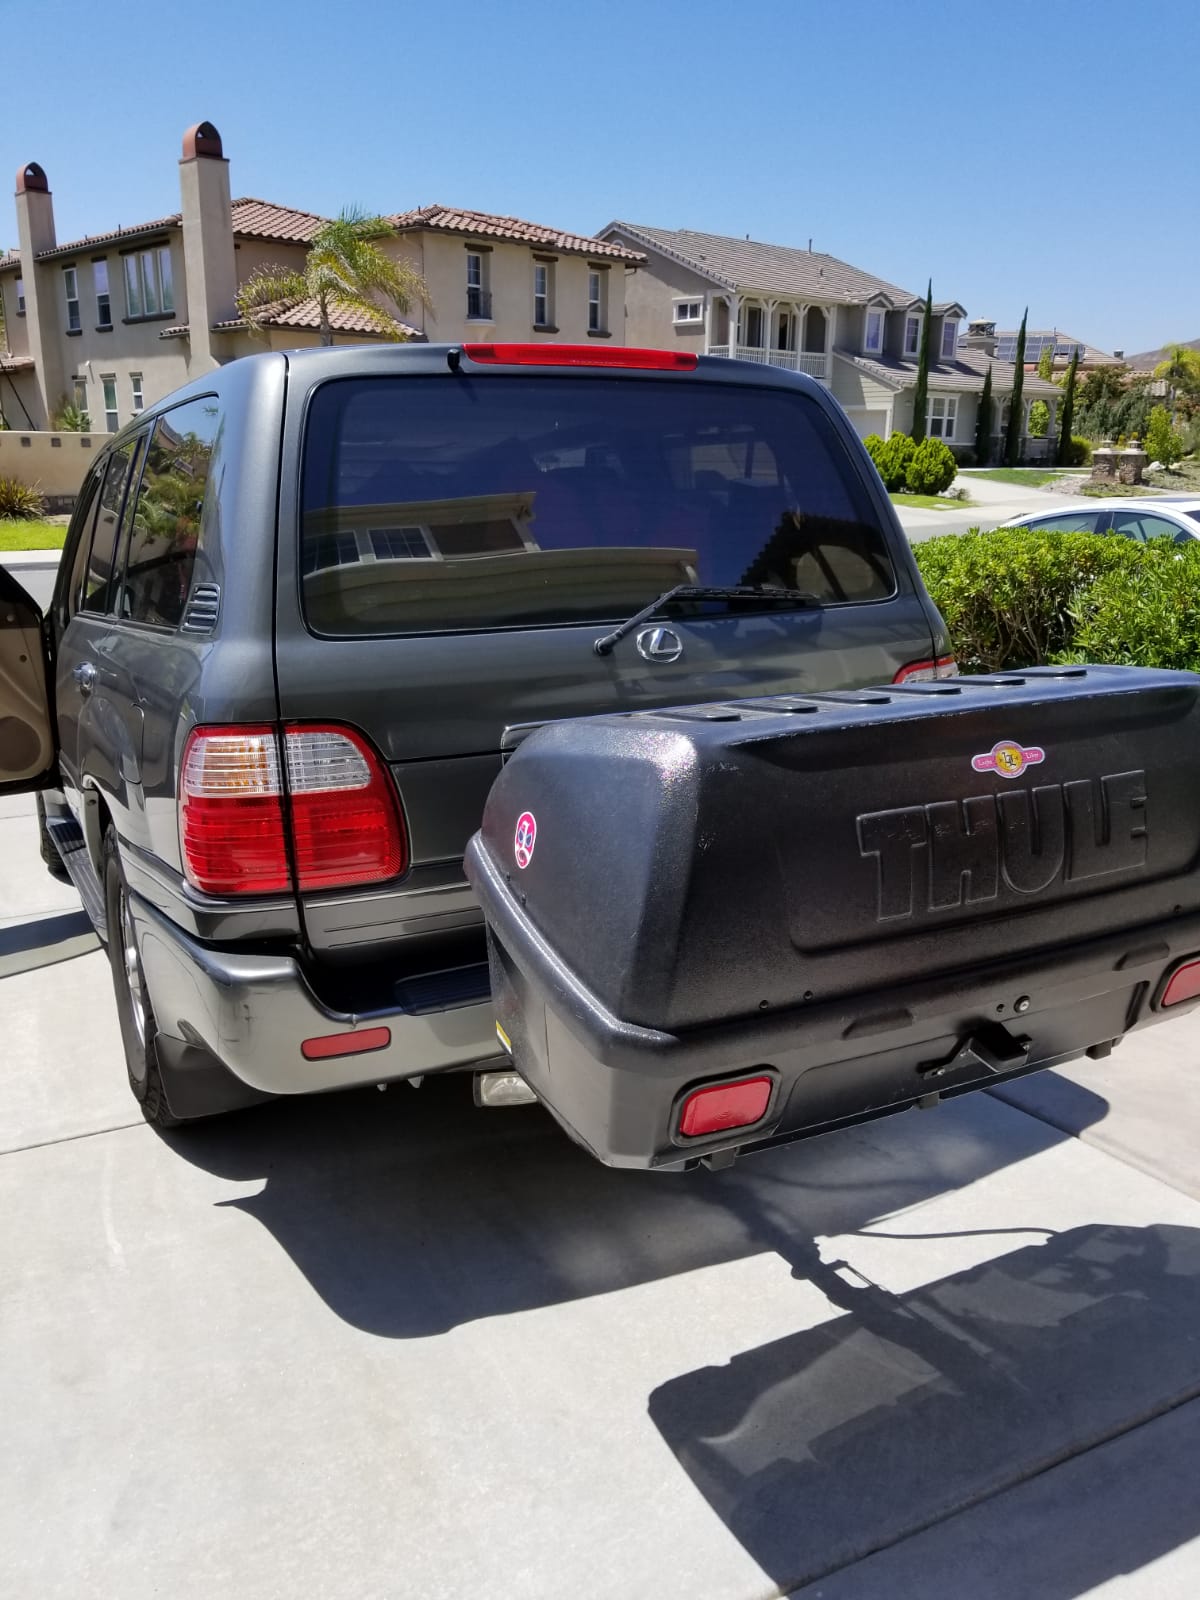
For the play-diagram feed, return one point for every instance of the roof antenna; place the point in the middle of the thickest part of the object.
(810, 247)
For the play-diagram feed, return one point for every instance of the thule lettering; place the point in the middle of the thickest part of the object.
(952, 853)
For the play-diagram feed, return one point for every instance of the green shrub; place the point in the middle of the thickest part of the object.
(964, 455)
(1039, 419)
(19, 500)
(1146, 614)
(1162, 443)
(1010, 598)
(1078, 453)
(932, 468)
(891, 458)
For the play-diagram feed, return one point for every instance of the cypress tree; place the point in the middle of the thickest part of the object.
(1068, 412)
(1012, 439)
(983, 424)
(921, 392)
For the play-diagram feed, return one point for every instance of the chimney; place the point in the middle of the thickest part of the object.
(208, 258)
(35, 233)
(980, 335)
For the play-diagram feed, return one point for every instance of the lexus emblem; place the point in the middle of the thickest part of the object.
(659, 644)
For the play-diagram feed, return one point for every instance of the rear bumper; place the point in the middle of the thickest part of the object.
(253, 1013)
(618, 1088)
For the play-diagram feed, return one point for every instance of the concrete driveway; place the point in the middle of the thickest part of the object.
(994, 505)
(387, 1345)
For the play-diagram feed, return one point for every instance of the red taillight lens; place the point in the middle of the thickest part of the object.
(580, 355)
(1184, 984)
(345, 823)
(724, 1106)
(927, 671)
(356, 1043)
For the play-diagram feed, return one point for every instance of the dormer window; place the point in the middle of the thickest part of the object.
(873, 342)
(949, 339)
(912, 336)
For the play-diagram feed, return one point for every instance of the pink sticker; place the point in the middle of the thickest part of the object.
(1009, 759)
(525, 839)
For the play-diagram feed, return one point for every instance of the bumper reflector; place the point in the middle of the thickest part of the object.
(724, 1106)
(1184, 984)
(355, 1043)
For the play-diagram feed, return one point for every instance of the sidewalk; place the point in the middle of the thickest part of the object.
(994, 504)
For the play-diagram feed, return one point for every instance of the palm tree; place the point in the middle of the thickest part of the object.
(344, 270)
(1181, 370)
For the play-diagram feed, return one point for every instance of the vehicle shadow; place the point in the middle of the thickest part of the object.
(838, 1441)
(411, 1212)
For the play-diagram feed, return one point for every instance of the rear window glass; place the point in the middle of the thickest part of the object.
(435, 504)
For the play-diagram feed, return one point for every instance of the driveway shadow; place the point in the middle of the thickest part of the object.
(412, 1212)
(835, 1442)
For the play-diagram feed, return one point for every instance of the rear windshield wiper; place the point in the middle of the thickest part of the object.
(700, 591)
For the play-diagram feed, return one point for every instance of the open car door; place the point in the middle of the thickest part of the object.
(26, 722)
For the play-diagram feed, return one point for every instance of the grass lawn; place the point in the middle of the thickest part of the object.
(1028, 477)
(20, 535)
(929, 502)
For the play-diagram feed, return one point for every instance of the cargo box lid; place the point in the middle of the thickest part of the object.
(710, 860)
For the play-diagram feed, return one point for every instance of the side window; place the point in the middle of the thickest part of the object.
(98, 579)
(1070, 522)
(77, 548)
(166, 523)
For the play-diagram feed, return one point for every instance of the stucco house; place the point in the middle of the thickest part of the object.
(809, 312)
(115, 321)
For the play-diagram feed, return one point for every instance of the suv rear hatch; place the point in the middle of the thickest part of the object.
(465, 535)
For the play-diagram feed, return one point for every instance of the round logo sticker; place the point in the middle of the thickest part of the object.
(1009, 759)
(525, 839)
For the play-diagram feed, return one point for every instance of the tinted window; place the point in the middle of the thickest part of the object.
(433, 504)
(166, 523)
(1140, 525)
(1070, 522)
(98, 581)
(77, 547)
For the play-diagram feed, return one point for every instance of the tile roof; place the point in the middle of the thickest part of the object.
(14, 363)
(743, 264)
(252, 219)
(453, 219)
(965, 372)
(9, 261)
(305, 314)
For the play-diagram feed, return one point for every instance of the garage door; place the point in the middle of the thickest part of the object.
(866, 422)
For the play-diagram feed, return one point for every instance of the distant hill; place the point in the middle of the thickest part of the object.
(1149, 359)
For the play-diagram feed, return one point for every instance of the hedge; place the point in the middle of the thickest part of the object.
(1019, 598)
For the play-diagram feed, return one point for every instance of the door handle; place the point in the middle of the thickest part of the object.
(85, 676)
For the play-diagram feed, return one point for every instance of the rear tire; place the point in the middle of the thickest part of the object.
(134, 1011)
(55, 865)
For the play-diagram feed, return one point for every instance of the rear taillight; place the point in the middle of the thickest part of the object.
(927, 671)
(345, 823)
(724, 1106)
(1184, 984)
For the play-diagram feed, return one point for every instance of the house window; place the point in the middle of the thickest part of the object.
(479, 299)
(71, 286)
(941, 417)
(400, 544)
(912, 335)
(135, 389)
(20, 297)
(108, 382)
(543, 294)
(949, 339)
(783, 331)
(752, 328)
(874, 340)
(103, 303)
(148, 287)
(689, 311)
(79, 395)
(596, 308)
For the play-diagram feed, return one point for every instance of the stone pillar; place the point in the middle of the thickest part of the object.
(1132, 463)
(44, 308)
(1104, 464)
(208, 256)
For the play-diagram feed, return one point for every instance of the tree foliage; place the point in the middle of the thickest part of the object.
(1039, 420)
(983, 422)
(1068, 412)
(1012, 439)
(921, 392)
(1162, 443)
(344, 270)
(1046, 363)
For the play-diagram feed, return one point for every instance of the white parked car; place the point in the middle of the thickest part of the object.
(1142, 518)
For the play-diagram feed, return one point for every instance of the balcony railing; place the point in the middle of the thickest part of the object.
(815, 363)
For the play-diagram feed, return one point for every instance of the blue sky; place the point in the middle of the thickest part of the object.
(1018, 153)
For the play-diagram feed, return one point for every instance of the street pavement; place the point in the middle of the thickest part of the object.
(994, 505)
(384, 1344)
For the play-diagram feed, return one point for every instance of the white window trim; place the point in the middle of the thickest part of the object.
(951, 328)
(103, 291)
(869, 348)
(482, 287)
(20, 297)
(110, 412)
(948, 419)
(543, 273)
(918, 317)
(71, 291)
(137, 392)
(600, 281)
(143, 271)
(684, 304)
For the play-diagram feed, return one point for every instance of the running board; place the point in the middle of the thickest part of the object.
(72, 847)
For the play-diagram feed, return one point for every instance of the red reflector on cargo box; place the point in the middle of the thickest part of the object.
(724, 1106)
(580, 355)
(355, 1043)
(1184, 984)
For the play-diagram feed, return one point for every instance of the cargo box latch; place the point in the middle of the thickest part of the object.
(990, 1047)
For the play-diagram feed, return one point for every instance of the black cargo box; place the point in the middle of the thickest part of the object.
(860, 899)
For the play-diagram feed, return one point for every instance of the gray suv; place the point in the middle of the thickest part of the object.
(308, 603)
